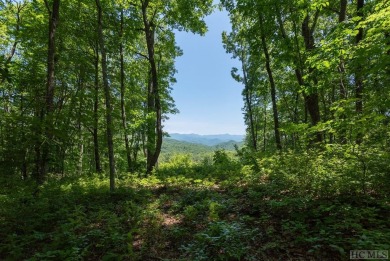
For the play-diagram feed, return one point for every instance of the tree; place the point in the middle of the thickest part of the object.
(122, 83)
(155, 134)
(46, 113)
(320, 44)
(107, 94)
(236, 44)
(50, 87)
(271, 82)
(95, 131)
(358, 74)
(253, 25)
(185, 15)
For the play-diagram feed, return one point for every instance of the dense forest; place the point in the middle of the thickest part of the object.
(85, 89)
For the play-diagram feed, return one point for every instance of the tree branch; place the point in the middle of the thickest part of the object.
(316, 16)
(142, 55)
(13, 49)
(47, 7)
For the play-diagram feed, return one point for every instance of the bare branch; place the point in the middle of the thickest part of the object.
(142, 55)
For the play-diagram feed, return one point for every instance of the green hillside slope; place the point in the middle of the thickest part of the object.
(197, 151)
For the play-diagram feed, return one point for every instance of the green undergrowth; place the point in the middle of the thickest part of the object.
(308, 206)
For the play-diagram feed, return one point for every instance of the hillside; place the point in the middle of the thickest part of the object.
(197, 151)
(209, 140)
(229, 145)
(183, 147)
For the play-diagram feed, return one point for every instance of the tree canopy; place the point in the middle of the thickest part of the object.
(320, 68)
(61, 62)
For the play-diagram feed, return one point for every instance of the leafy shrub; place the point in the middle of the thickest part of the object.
(69, 221)
(224, 167)
(220, 241)
(338, 169)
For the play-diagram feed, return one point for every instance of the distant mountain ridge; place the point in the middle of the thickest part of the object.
(197, 151)
(209, 140)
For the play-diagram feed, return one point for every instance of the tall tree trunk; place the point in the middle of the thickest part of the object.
(154, 102)
(248, 101)
(150, 127)
(123, 109)
(297, 61)
(80, 125)
(110, 143)
(98, 167)
(272, 85)
(81, 150)
(358, 74)
(341, 69)
(252, 130)
(24, 140)
(48, 109)
(387, 37)
(342, 17)
(265, 127)
(135, 144)
(311, 97)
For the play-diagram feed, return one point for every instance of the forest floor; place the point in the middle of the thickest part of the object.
(177, 217)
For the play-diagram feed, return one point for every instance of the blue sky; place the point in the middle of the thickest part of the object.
(208, 99)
